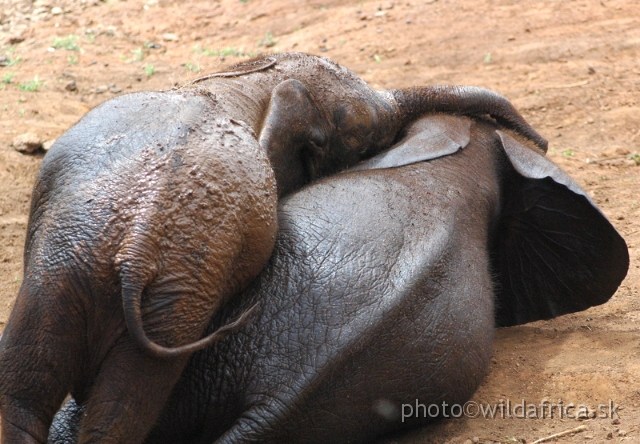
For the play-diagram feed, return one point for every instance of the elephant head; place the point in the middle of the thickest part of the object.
(384, 288)
(553, 251)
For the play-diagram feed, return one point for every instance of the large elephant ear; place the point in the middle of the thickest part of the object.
(426, 139)
(555, 252)
(295, 133)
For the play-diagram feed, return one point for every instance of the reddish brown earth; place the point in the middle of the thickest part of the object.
(570, 66)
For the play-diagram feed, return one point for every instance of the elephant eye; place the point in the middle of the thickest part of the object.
(317, 138)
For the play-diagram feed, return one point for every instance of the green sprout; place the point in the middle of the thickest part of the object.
(7, 78)
(31, 85)
(70, 43)
(138, 54)
(149, 69)
(268, 40)
(193, 67)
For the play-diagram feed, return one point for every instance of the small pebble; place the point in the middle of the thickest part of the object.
(170, 37)
(27, 143)
(47, 144)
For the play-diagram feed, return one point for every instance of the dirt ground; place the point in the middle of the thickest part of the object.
(570, 66)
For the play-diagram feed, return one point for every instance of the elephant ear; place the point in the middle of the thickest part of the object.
(426, 139)
(295, 134)
(554, 252)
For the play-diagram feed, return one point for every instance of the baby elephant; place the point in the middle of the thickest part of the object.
(384, 289)
(157, 207)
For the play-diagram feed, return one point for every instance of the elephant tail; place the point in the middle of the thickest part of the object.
(132, 290)
(464, 100)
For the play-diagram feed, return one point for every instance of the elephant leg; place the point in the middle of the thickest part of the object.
(31, 400)
(37, 365)
(128, 395)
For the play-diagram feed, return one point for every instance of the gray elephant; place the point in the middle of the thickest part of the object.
(384, 288)
(157, 207)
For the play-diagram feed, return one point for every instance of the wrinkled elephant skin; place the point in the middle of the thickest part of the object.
(384, 288)
(157, 207)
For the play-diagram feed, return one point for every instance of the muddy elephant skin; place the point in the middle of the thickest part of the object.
(384, 288)
(157, 207)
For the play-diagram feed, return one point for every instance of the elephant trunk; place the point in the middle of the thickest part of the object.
(464, 100)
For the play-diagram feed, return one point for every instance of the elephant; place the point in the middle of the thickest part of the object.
(156, 208)
(384, 288)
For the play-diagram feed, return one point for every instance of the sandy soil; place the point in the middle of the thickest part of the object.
(570, 66)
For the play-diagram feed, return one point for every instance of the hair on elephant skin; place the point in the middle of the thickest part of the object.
(384, 287)
(157, 207)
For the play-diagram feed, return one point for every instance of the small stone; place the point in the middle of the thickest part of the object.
(170, 37)
(622, 433)
(71, 86)
(101, 89)
(27, 143)
(610, 435)
(475, 440)
(47, 144)
(468, 441)
(56, 10)
(615, 421)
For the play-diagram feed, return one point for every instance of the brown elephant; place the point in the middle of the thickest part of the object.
(380, 299)
(157, 207)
